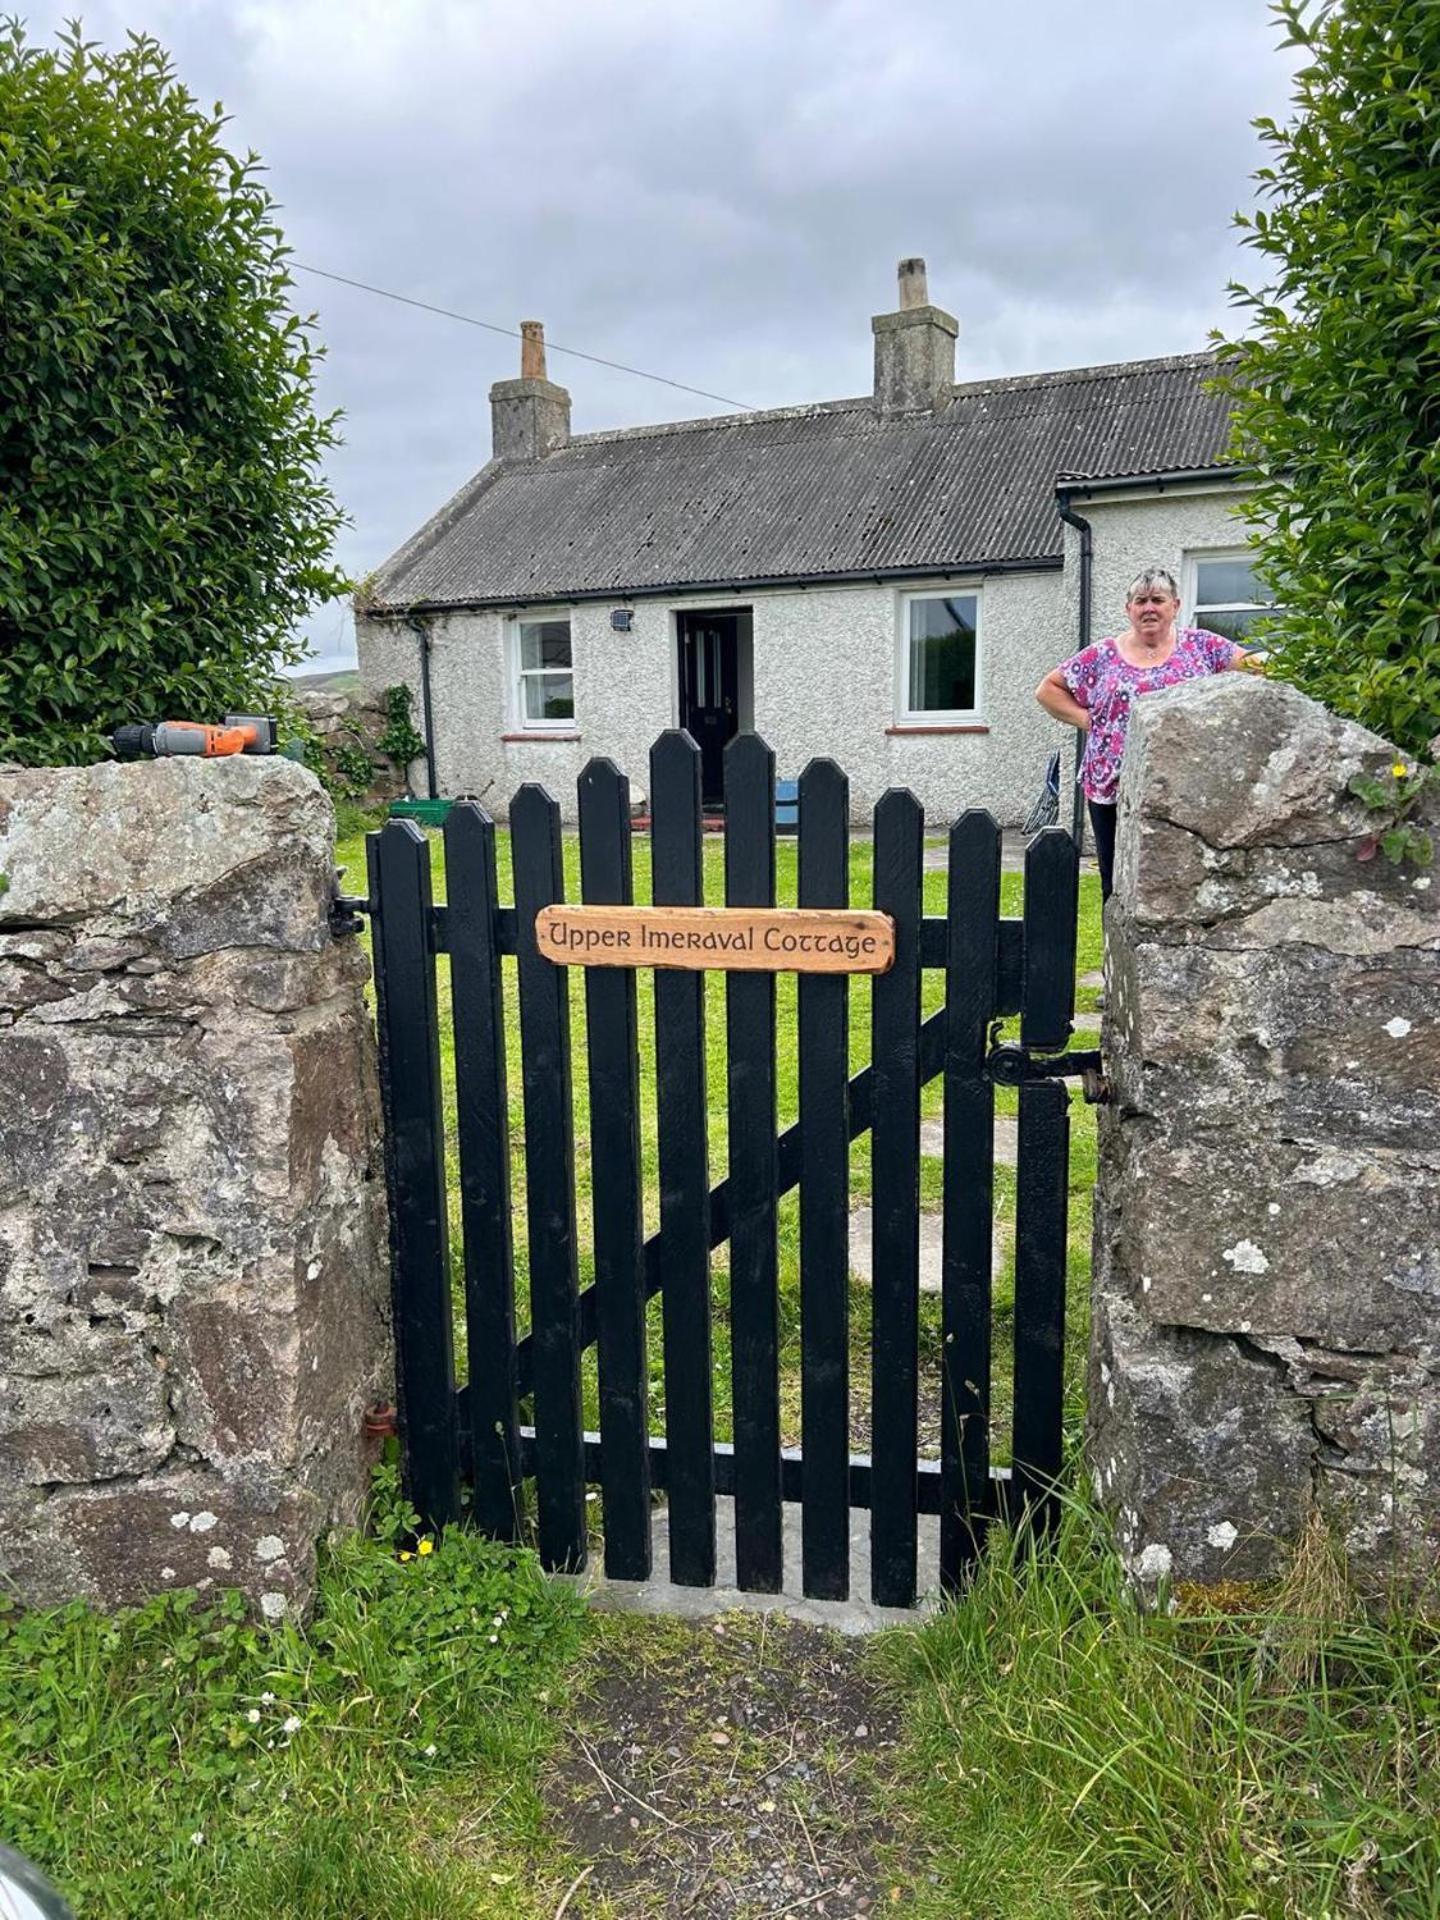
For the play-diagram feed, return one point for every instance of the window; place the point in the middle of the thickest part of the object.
(1224, 595)
(939, 656)
(544, 679)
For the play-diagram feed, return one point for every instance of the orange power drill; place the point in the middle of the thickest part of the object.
(240, 733)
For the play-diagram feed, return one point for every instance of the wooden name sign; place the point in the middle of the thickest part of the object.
(731, 939)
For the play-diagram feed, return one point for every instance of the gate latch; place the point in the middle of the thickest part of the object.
(1010, 1065)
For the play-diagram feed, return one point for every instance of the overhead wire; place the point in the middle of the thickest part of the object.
(513, 333)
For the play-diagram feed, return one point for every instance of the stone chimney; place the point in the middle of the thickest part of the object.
(914, 349)
(529, 417)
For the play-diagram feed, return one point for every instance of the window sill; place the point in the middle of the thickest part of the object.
(536, 733)
(923, 726)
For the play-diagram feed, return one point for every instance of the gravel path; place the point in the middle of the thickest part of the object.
(727, 1769)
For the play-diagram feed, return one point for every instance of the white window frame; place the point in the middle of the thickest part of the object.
(516, 674)
(1190, 586)
(905, 714)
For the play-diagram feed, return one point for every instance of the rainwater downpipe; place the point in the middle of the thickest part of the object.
(421, 631)
(1082, 631)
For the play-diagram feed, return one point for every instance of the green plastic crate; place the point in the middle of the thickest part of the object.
(429, 813)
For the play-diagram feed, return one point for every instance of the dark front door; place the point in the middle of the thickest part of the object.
(709, 692)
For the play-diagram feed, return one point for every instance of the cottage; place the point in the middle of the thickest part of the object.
(882, 579)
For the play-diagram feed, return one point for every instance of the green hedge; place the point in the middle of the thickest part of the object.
(164, 519)
(1338, 381)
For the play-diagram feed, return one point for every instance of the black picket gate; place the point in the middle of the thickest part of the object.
(478, 1435)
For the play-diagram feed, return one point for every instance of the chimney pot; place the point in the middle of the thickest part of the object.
(529, 417)
(913, 289)
(914, 348)
(532, 348)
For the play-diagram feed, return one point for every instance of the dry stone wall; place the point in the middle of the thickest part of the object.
(349, 725)
(193, 1282)
(1266, 1340)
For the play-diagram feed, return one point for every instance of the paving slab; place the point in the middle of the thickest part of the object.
(931, 1236)
(1012, 854)
(856, 1615)
(1007, 1138)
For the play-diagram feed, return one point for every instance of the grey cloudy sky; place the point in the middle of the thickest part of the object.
(719, 192)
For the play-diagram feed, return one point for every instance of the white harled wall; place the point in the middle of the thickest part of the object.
(824, 675)
(1131, 533)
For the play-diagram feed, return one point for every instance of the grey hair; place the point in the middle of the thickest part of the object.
(1153, 577)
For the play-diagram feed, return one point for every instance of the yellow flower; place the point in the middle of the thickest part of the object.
(425, 1546)
(1400, 770)
(407, 1556)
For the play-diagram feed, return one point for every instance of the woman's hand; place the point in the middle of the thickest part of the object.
(1056, 698)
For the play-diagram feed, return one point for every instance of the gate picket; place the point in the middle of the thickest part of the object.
(677, 881)
(895, 1185)
(972, 913)
(754, 1176)
(1041, 1200)
(482, 1117)
(824, 1021)
(549, 1186)
(409, 1036)
(612, 1039)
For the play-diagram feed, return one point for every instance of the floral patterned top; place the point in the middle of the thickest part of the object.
(1102, 679)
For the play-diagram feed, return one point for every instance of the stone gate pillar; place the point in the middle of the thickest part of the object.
(193, 1290)
(1266, 1338)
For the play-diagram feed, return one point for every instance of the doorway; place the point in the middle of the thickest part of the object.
(711, 669)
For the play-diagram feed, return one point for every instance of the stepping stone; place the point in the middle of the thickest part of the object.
(1095, 978)
(862, 1227)
(857, 1615)
(1007, 1136)
(1087, 1022)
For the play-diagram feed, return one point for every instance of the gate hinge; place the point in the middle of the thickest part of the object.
(345, 912)
(1010, 1065)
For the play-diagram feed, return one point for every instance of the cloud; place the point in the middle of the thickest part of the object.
(719, 192)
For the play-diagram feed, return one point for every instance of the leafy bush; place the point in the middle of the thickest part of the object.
(1338, 383)
(164, 522)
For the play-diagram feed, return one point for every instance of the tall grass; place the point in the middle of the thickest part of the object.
(1075, 1753)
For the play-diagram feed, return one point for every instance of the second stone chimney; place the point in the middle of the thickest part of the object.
(914, 349)
(529, 417)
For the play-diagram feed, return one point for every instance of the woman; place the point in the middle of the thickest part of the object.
(1093, 690)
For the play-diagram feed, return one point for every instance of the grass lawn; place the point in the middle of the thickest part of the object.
(351, 854)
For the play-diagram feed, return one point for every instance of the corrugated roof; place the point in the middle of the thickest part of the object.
(809, 493)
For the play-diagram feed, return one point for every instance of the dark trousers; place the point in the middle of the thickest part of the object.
(1102, 825)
